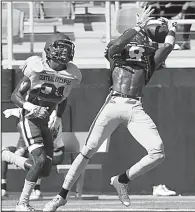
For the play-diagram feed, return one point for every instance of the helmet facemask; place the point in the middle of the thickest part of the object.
(60, 51)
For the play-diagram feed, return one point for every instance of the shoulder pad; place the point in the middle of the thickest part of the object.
(75, 71)
(32, 64)
(71, 65)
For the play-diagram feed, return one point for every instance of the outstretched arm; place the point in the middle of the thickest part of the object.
(61, 108)
(163, 52)
(119, 44)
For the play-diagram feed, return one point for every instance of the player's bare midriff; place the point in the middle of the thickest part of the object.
(128, 82)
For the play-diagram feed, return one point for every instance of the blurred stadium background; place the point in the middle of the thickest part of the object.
(169, 98)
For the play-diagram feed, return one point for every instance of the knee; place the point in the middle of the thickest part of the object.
(157, 155)
(39, 157)
(42, 159)
(93, 142)
(46, 169)
(28, 164)
(88, 152)
(161, 156)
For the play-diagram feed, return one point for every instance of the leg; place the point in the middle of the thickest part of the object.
(19, 150)
(34, 175)
(13, 158)
(33, 134)
(46, 167)
(36, 193)
(19, 155)
(4, 167)
(58, 157)
(80, 184)
(21, 145)
(145, 132)
(39, 158)
(104, 124)
(141, 127)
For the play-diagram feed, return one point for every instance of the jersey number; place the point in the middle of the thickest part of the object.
(51, 89)
(136, 53)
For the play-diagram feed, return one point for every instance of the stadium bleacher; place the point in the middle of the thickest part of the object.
(85, 29)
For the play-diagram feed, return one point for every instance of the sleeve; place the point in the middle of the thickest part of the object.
(163, 52)
(161, 55)
(79, 77)
(119, 43)
(106, 49)
(78, 74)
(26, 70)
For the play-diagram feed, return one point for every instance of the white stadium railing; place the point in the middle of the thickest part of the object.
(10, 61)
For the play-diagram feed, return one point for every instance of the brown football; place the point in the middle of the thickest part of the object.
(156, 32)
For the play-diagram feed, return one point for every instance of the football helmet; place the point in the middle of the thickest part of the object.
(59, 48)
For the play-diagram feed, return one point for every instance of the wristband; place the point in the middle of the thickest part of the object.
(170, 38)
(173, 29)
(28, 106)
(137, 28)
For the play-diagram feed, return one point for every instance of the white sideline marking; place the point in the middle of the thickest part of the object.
(109, 209)
(64, 168)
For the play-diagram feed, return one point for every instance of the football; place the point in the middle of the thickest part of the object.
(156, 32)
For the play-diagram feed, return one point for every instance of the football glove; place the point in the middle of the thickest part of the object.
(35, 111)
(144, 16)
(55, 125)
(174, 24)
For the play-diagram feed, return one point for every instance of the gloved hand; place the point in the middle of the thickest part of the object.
(144, 16)
(173, 26)
(55, 125)
(35, 111)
